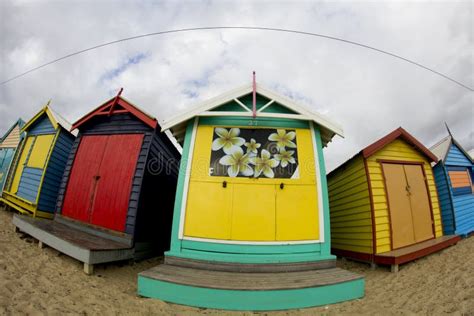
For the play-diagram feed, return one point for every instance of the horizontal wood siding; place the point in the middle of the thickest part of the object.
(115, 124)
(54, 172)
(445, 199)
(12, 139)
(464, 210)
(157, 194)
(42, 126)
(66, 174)
(456, 157)
(401, 151)
(350, 209)
(29, 184)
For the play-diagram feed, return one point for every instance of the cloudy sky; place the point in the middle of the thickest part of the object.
(368, 93)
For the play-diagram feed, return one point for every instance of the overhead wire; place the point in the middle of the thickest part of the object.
(254, 28)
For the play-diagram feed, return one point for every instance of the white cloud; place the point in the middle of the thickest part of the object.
(368, 93)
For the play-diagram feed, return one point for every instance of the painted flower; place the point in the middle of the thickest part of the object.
(285, 157)
(252, 147)
(237, 162)
(227, 139)
(283, 138)
(264, 164)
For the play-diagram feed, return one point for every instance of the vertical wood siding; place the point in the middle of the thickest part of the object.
(54, 172)
(12, 139)
(350, 209)
(445, 199)
(397, 150)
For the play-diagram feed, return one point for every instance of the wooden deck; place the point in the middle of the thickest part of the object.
(249, 281)
(410, 253)
(249, 267)
(81, 245)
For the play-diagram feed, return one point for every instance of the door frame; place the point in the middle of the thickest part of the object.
(405, 162)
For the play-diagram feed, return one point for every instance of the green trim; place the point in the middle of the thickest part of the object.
(250, 300)
(278, 108)
(250, 122)
(248, 100)
(231, 106)
(255, 249)
(326, 246)
(175, 241)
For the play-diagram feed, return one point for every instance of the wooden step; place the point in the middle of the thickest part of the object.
(249, 281)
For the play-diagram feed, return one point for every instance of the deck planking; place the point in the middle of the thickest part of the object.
(249, 281)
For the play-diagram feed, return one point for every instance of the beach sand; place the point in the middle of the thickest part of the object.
(37, 281)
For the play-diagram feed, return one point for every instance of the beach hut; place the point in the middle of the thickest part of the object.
(454, 174)
(116, 197)
(8, 146)
(384, 205)
(33, 183)
(251, 204)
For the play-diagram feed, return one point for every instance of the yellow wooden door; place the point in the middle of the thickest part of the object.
(21, 164)
(297, 216)
(208, 210)
(399, 205)
(40, 151)
(420, 203)
(253, 212)
(248, 208)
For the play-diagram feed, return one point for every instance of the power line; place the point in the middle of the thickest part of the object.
(254, 28)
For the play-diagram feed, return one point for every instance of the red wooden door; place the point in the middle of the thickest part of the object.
(116, 173)
(83, 178)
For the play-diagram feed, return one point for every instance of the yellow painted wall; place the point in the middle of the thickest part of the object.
(12, 140)
(40, 151)
(250, 209)
(349, 205)
(397, 150)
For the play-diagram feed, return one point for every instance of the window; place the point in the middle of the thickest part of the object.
(461, 181)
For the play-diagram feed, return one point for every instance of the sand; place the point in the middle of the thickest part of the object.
(42, 281)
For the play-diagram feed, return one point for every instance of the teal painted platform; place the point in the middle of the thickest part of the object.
(250, 291)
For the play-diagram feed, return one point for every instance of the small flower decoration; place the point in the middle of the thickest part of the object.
(264, 164)
(285, 157)
(283, 138)
(238, 162)
(227, 140)
(252, 146)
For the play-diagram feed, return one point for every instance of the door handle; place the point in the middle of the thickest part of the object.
(224, 184)
(282, 185)
(96, 178)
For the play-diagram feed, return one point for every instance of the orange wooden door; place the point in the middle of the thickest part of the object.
(401, 220)
(420, 203)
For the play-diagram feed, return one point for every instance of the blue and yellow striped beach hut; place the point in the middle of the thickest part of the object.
(33, 182)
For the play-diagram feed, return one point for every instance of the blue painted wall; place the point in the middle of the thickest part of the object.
(42, 126)
(457, 158)
(457, 205)
(55, 171)
(29, 183)
(6, 156)
(445, 198)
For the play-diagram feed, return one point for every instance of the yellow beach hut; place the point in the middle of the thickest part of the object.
(251, 203)
(8, 146)
(384, 204)
(33, 183)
